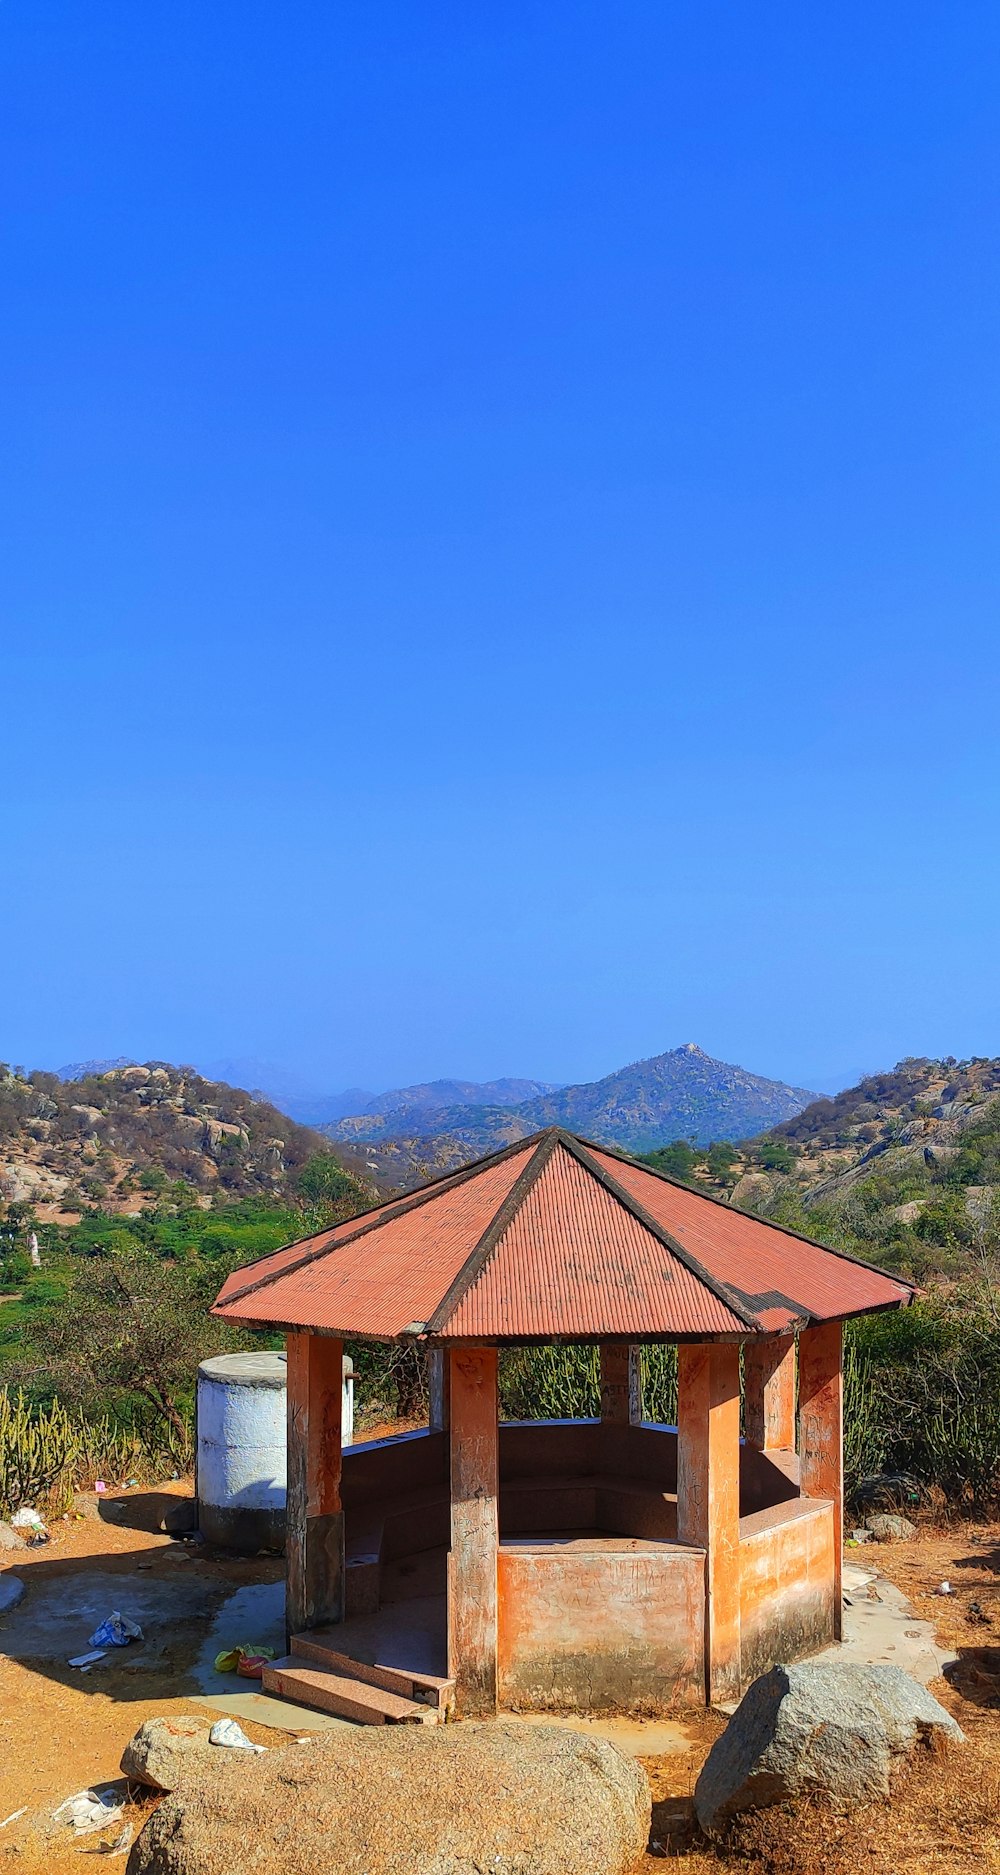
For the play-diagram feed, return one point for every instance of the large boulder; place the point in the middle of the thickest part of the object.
(817, 1729)
(514, 1799)
(162, 1749)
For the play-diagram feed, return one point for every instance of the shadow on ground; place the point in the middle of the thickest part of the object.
(147, 1510)
(975, 1673)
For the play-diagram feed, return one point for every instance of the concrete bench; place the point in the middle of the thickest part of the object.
(420, 1519)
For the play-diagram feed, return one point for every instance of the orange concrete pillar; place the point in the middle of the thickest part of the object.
(821, 1434)
(472, 1561)
(618, 1385)
(438, 1388)
(314, 1518)
(769, 1393)
(708, 1497)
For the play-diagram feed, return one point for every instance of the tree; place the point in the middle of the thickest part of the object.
(720, 1158)
(677, 1160)
(324, 1181)
(131, 1324)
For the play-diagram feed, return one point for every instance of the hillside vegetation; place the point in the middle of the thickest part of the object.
(120, 1137)
(903, 1169)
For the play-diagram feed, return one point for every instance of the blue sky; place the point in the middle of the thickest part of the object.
(498, 535)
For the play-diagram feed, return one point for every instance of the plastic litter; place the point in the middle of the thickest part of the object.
(944, 1588)
(116, 1631)
(31, 1523)
(251, 1666)
(87, 1660)
(227, 1732)
(91, 1809)
(12, 1818)
(231, 1659)
(100, 1486)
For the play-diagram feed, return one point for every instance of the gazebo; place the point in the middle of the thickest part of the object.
(575, 1565)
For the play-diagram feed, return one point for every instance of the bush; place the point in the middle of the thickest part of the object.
(47, 1453)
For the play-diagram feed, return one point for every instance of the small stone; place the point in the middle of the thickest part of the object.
(888, 1528)
(180, 1516)
(156, 1755)
(11, 1539)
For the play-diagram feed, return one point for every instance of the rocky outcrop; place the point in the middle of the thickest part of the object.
(835, 1731)
(449, 1800)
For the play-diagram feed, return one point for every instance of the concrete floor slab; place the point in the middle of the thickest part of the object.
(252, 1616)
(880, 1628)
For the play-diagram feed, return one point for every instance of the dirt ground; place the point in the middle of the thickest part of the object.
(61, 1731)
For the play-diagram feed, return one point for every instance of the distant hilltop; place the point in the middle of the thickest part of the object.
(79, 1070)
(122, 1137)
(682, 1094)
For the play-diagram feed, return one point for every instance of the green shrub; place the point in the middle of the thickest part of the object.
(47, 1453)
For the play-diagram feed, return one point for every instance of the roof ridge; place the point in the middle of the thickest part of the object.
(719, 1290)
(544, 1148)
(385, 1213)
(627, 1158)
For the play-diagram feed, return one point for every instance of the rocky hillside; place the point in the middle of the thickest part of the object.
(683, 1093)
(904, 1168)
(118, 1137)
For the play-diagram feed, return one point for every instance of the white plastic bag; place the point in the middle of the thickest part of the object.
(227, 1732)
(91, 1809)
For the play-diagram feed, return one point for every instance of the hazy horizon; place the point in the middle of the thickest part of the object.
(277, 1078)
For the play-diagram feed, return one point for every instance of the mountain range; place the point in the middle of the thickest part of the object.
(683, 1093)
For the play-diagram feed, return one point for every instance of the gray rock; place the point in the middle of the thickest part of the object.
(817, 1729)
(891, 1529)
(11, 1539)
(162, 1748)
(11, 1591)
(180, 1516)
(886, 1490)
(433, 1800)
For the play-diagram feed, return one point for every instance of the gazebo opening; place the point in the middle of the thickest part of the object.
(566, 1565)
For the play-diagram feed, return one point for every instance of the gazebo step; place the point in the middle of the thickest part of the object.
(342, 1694)
(426, 1689)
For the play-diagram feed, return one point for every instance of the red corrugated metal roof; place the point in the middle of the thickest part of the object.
(778, 1275)
(380, 1273)
(554, 1239)
(573, 1262)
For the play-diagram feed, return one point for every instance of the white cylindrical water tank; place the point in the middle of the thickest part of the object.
(241, 1448)
(241, 1451)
